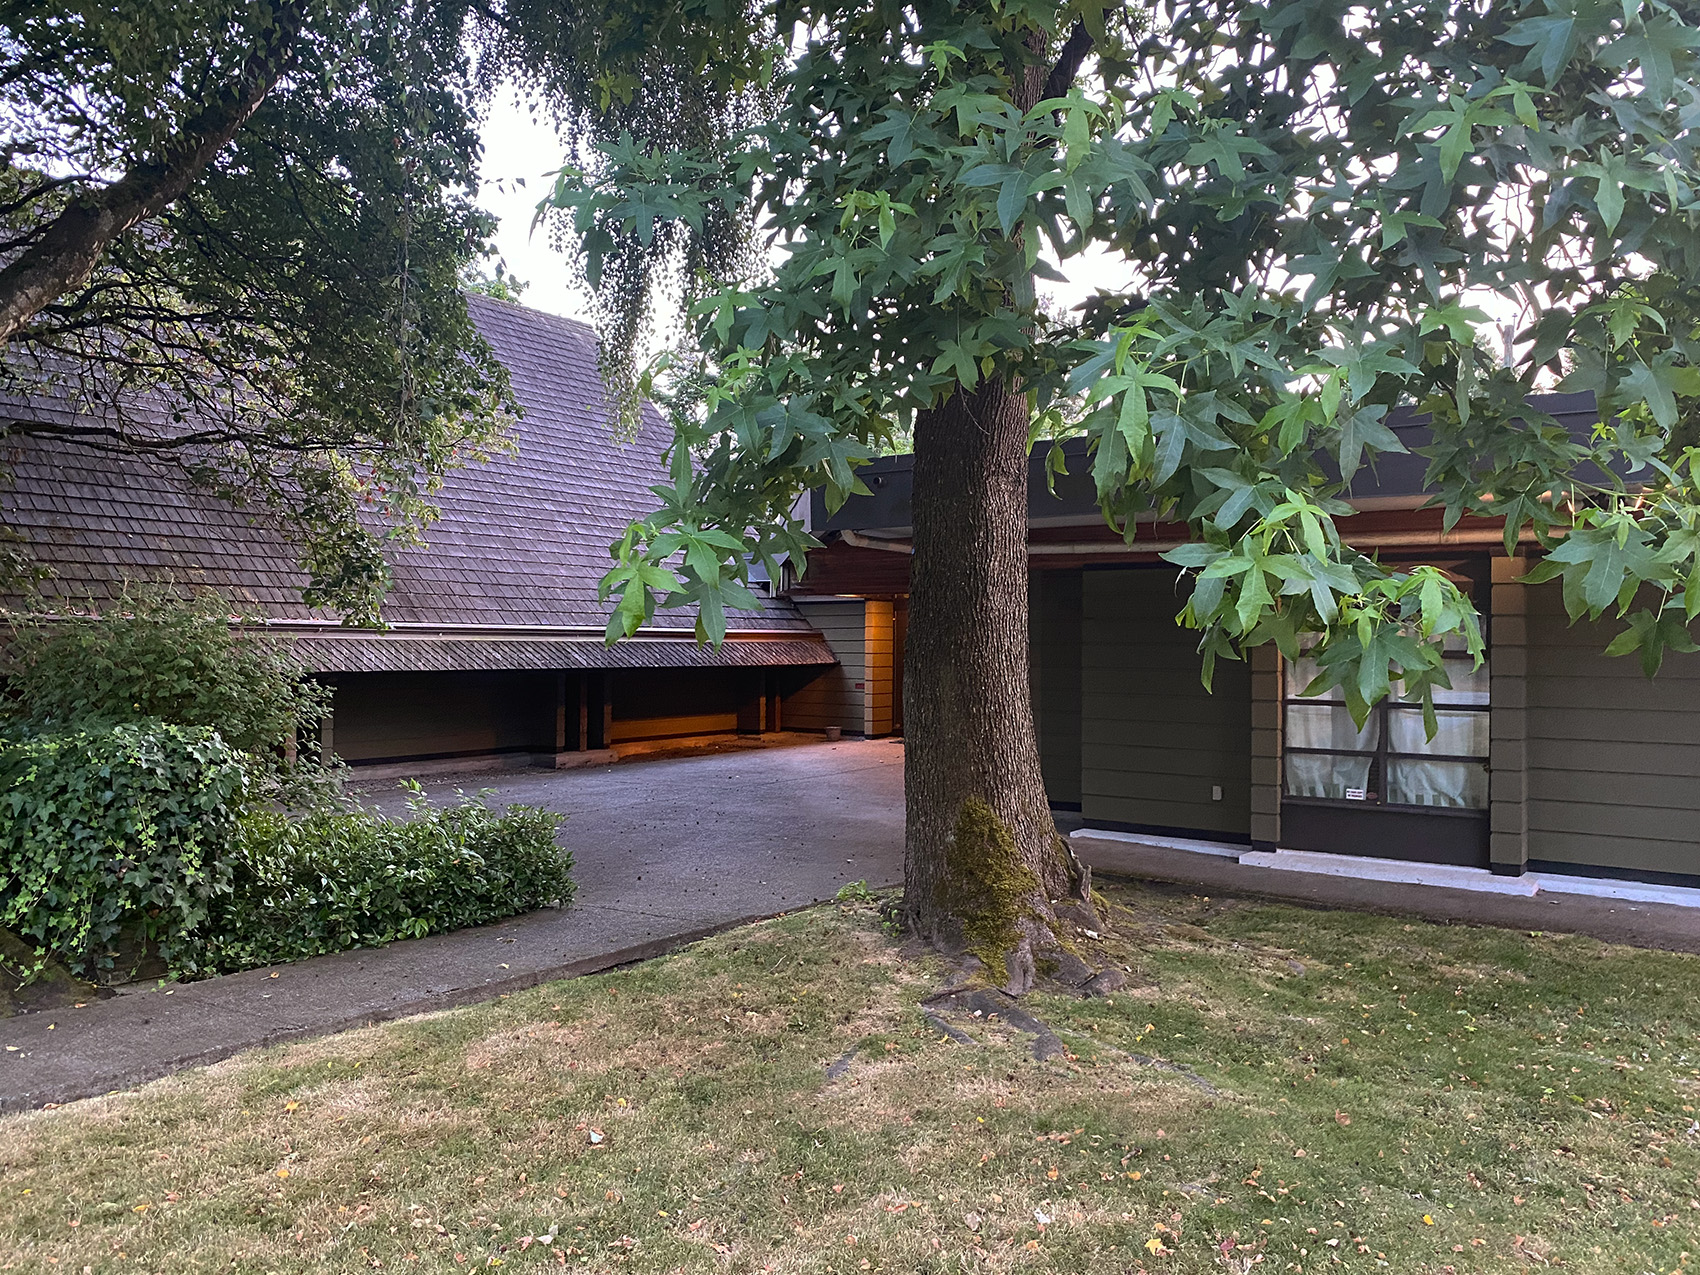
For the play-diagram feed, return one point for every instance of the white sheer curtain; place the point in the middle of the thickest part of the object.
(1422, 782)
(1417, 779)
(1322, 775)
(1327, 725)
(1461, 733)
(1459, 784)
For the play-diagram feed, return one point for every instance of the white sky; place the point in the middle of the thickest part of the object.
(520, 147)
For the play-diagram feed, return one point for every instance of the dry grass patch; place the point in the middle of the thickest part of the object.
(1319, 1092)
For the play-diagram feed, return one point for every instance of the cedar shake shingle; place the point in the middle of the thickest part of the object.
(522, 539)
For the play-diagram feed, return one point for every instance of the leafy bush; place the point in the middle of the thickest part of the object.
(116, 833)
(152, 655)
(336, 879)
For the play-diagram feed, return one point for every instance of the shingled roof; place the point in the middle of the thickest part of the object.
(520, 545)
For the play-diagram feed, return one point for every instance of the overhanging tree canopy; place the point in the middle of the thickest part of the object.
(1323, 201)
(230, 236)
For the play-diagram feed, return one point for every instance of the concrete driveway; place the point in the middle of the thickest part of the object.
(666, 851)
(696, 840)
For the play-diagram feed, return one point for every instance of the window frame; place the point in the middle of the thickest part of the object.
(1376, 797)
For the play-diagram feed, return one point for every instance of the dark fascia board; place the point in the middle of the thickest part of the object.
(1396, 479)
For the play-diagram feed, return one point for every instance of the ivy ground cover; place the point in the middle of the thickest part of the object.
(1275, 1090)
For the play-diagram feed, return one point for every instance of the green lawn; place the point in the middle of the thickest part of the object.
(1347, 1093)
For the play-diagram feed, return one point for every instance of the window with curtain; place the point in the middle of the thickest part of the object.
(1390, 761)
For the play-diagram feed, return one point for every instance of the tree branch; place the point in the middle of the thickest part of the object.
(46, 187)
(1067, 65)
(66, 255)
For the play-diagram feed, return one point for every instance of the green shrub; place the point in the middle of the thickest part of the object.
(116, 833)
(336, 879)
(152, 655)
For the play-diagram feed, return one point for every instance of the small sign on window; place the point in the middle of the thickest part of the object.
(1356, 794)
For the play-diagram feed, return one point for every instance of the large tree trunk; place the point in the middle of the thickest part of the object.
(984, 868)
(983, 863)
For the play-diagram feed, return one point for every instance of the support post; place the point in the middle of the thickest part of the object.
(1508, 719)
(561, 711)
(607, 740)
(583, 711)
(1266, 721)
(751, 686)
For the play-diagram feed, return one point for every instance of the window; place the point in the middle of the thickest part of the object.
(1390, 761)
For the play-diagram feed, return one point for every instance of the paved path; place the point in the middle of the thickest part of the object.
(1655, 925)
(666, 851)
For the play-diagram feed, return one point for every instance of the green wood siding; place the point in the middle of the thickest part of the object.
(1054, 635)
(1153, 741)
(1613, 759)
(832, 698)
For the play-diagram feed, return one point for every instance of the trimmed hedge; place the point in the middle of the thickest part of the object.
(333, 880)
(116, 834)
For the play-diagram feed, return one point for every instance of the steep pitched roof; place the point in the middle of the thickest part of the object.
(522, 539)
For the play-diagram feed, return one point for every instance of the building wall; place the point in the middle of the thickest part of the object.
(1155, 745)
(381, 717)
(1054, 640)
(669, 703)
(859, 695)
(879, 694)
(834, 697)
(1613, 760)
(395, 716)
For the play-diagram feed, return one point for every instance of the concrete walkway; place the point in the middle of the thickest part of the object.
(1654, 925)
(667, 851)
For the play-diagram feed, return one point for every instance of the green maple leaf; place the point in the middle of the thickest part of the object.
(1550, 39)
(1659, 47)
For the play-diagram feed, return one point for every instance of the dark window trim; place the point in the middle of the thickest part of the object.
(1389, 752)
(1380, 755)
(1334, 803)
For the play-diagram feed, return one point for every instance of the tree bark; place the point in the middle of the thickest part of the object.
(984, 867)
(65, 256)
(983, 862)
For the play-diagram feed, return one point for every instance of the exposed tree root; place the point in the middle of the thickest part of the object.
(945, 1029)
(989, 1003)
(1173, 1069)
(841, 1064)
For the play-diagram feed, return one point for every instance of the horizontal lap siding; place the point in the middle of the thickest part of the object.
(1153, 740)
(1054, 614)
(878, 696)
(674, 727)
(390, 716)
(832, 699)
(669, 703)
(1614, 759)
